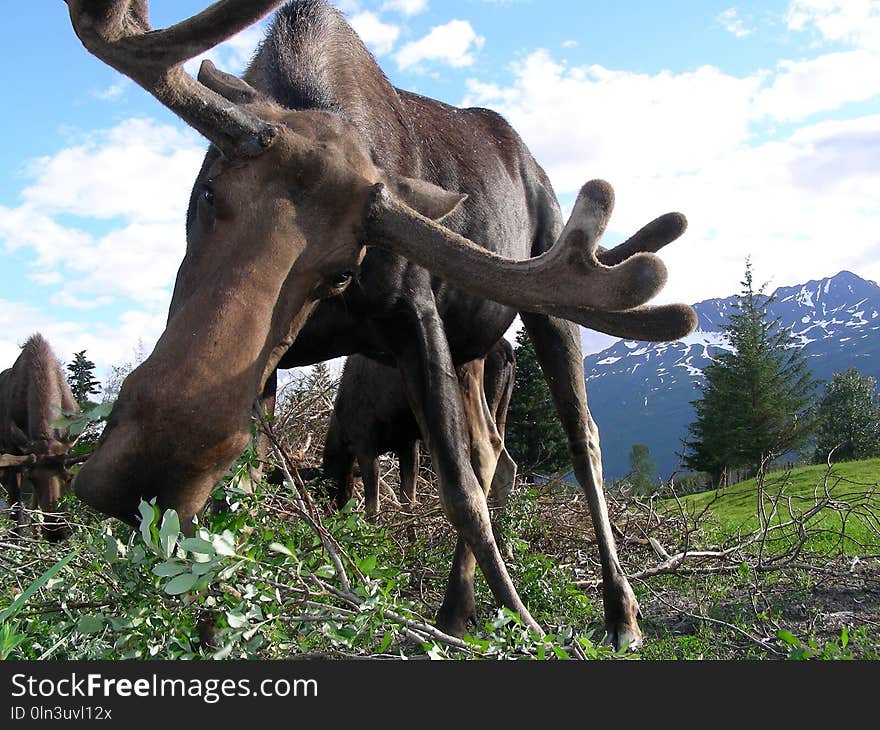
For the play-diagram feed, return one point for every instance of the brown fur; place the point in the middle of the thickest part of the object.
(371, 417)
(33, 394)
(297, 184)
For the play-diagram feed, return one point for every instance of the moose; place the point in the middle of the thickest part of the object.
(335, 214)
(371, 416)
(34, 394)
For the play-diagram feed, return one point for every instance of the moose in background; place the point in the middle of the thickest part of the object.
(371, 417)
(34, 394)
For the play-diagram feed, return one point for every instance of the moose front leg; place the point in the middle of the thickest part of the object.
(493, 467)
(369, 466)
(558, 349)
(409, 472)
(432, 389)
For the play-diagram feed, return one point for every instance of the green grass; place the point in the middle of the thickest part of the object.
(847, 523)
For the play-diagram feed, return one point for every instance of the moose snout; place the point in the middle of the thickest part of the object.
(102, 482)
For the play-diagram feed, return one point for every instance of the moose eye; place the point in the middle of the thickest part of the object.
(333, 285)
(341, 279)
(208, 194)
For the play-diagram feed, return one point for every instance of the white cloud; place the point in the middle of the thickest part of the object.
(855, 22)
(453, 44)
(583, 118)
(407, 7)
(379, 36)
(135, 170)
(112, 92)
(692, 142)
(734, 24)
(106, 345)
(802, 88)
(105, 221)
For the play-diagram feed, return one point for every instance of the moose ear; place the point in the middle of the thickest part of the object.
(228, 86)
(426, 198)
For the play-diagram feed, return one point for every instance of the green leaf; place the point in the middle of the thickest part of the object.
(277, 547)
(169, 532)
(386, 641)
(90, 624)
(204, 568)
(844, 637)
(137, 555)
(197, 545)
(325, 571)
(149, 514)
(560, 652)
(19, 602)
(100, 412)
(169, 568)
(223, 652)
(224, 543)
(111, 549)
(236, 620)
(181, 584)
(788, 638)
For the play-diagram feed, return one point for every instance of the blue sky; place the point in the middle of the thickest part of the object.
(759, 120)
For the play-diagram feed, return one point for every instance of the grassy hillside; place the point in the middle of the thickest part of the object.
(837, 507)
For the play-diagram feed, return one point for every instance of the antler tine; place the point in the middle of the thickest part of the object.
(568, 276)
(654, 236)
(662, 323)
(119, 33)
(652, 324)
(203, 31)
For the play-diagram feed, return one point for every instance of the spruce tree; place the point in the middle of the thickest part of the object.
(641, 469)
(81, 378)
(756, 401)
(848, 418)
(534, 437)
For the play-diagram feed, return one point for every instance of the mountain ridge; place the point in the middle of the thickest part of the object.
(640, 392)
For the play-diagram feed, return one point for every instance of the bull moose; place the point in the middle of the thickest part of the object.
(371, 416)
(34, 394)
(335, 214)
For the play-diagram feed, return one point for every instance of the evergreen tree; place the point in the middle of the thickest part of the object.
(756, 401)
(81, 379)
(848, 418)
(641, 469)
(534, 437)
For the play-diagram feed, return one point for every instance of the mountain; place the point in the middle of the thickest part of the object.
(640, 392)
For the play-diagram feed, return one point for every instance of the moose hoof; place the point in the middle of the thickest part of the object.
(624, 637)
(621, 615)
(454, 623)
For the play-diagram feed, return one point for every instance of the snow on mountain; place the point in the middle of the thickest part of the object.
(640, 392)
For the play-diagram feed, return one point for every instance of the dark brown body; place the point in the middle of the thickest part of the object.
(395, 312)
(327, 219)
(33, 394)
(372, 416)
